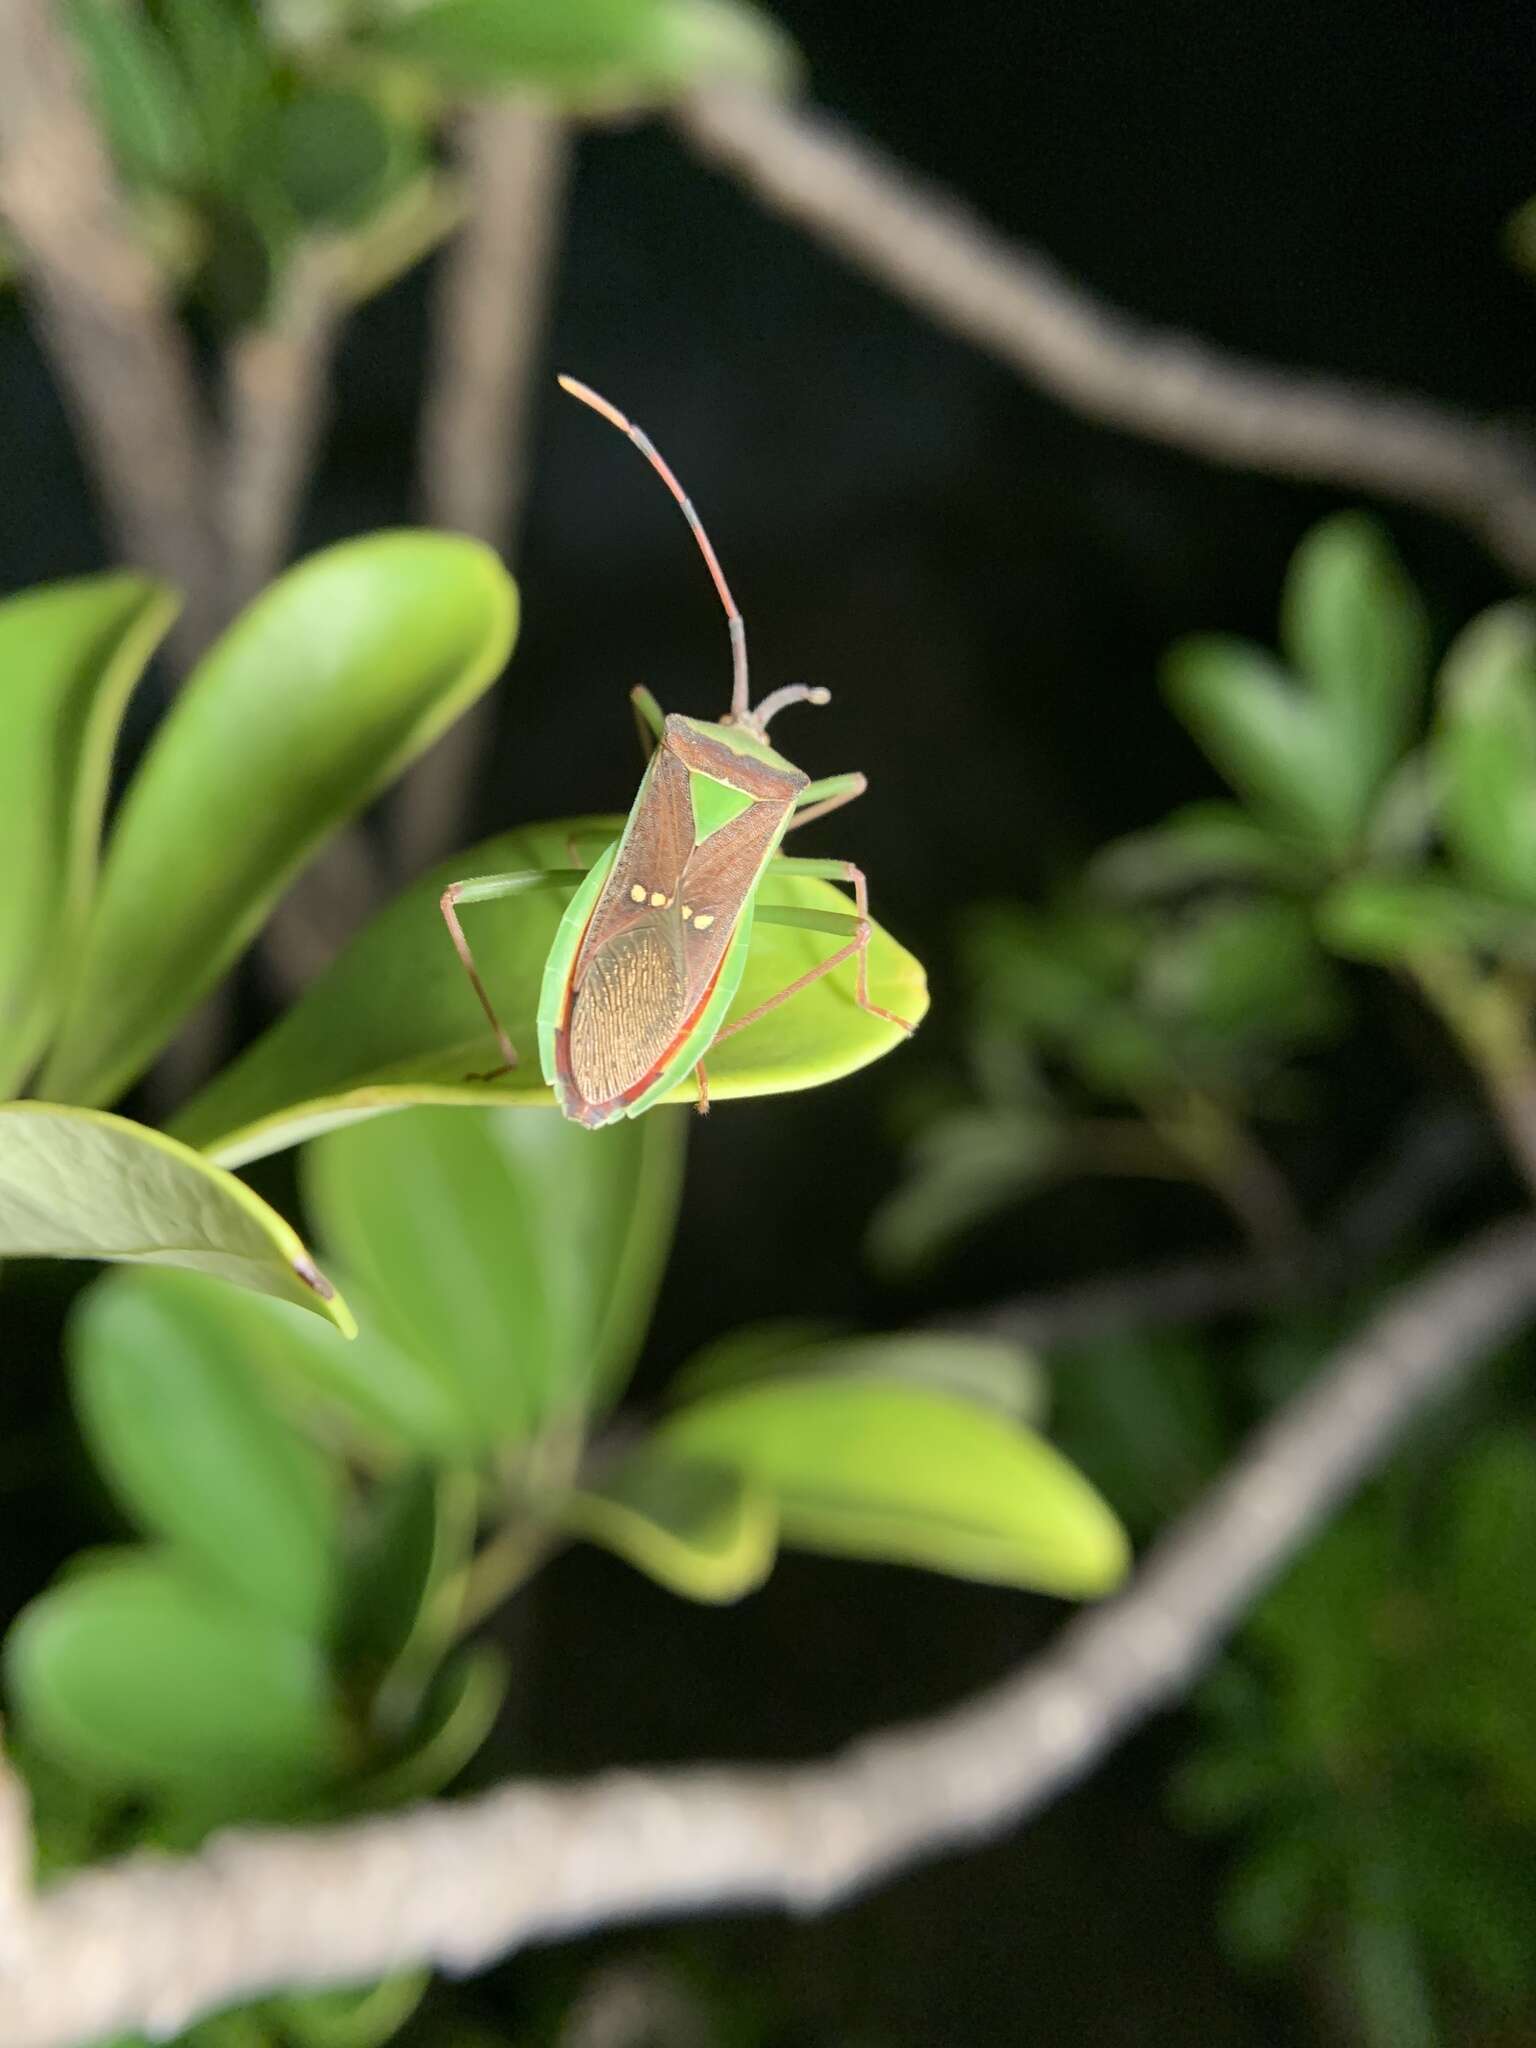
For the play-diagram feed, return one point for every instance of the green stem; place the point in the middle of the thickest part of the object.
(503, 1565)
(1239, 1172)
(1489, 1017)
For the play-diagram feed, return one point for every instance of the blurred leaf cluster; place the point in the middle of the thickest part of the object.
(322, 1524)
(1370, 1750)
(328, 1475)
(244, 132)
(1191, 972)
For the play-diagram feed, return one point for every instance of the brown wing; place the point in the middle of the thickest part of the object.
(627, 1010)
(659, 931)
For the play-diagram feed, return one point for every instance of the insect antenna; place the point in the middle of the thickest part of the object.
(741, 703)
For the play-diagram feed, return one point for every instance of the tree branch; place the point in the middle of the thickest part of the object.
(1435, 1153)
(276, 379)
(151, 1943)
(123, 364)
(1170, 387)
(492, 298)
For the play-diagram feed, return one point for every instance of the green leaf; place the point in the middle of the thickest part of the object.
(587, 48)
(350, 2019)
(1266, 735)
(873, 1469)
(333, 153)
(69, 655)
(183, 1430)
(756, 1351)
(80, 1184)
(703, 1530)
(219, 50)
(394, 1023)
(982, 1370)
(1381, 918)
(1354, 626)
(388, 1401)
(1486, 751)
(1196, 846)
(399, 1607)
(522, 1252)
(314, 700)
(144, 1679)
(1243, 972)
(142, 101)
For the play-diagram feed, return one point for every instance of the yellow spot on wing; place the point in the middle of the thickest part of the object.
(703, 922)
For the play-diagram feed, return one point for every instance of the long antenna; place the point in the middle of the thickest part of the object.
(741, 703)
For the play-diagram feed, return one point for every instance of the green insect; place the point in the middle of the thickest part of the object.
(652, 946)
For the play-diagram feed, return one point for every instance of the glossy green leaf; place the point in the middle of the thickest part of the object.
(587, 48)
(386, 1401)
(398, 1607)
(395, 1023)
(1267, 735)
(1388, 918)
(140, 97)
(1196, 846)
(1486, 751)
(69, 655)
(875, 1469)
(982, 1370)
(186, 1434)
(521, 1251)
(1353, 625)
(315, 699)
(349, 2019)
(81, 1184)
(146, 1679)
(704, 1530)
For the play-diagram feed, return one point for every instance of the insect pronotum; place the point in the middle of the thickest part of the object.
(651, 949)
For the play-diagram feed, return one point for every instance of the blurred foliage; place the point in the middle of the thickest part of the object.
(1186, 977)
(243, 131)
(1369, 1749)
(323, 1523)
(1369, 1744)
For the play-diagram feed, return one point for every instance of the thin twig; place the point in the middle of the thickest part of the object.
(276, 380)
(488, 327)
(1436, 1153)
(152, 1943)
(123, 364)
(1168, 386)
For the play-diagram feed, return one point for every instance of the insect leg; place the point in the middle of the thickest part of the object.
(483, 889)
(844, 871)
(702, 1105)
(830, 794)
(649, 718)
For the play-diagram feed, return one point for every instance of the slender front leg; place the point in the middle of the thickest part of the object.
(855, 928)
(830, 794)
(702, 1105)
(649, 718)
(845, 871)
(483, 889)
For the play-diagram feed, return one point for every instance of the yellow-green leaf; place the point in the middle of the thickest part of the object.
(394, 1022)
(313, 701)
(874, 1469)
(70, 653)
(81, 1184)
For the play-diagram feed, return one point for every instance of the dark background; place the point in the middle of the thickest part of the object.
(986, 584)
